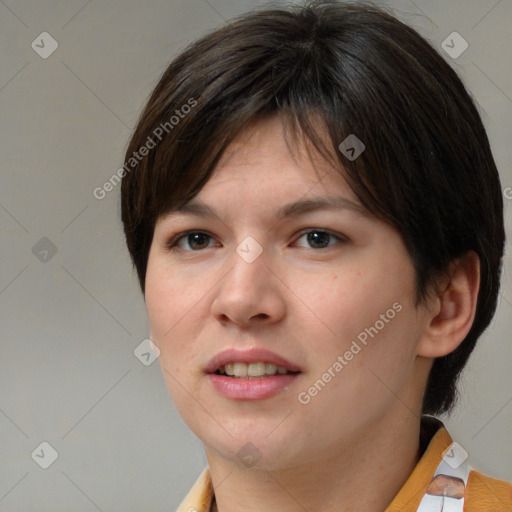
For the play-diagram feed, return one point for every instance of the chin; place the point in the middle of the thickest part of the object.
(256, 450)
(250, 456)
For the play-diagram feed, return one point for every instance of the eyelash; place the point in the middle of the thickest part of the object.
(172, 244)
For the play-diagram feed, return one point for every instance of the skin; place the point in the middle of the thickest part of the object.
(307, 303)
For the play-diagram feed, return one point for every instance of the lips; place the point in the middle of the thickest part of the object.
(246, 386)
(254, 355)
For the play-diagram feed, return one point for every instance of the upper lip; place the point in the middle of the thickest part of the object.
(253, 355)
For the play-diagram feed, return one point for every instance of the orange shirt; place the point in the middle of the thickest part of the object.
(482, 494)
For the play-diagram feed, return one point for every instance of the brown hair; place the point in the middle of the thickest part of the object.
(427, 168)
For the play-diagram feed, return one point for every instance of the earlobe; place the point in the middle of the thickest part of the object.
(455, 306)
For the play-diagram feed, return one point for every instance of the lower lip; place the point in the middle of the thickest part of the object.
(251, 389)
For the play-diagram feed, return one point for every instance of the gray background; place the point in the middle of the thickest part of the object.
(70, 321)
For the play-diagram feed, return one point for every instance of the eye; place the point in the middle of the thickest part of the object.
(196, 240)
(319, 238)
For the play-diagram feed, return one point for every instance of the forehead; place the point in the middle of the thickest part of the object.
(282, 175)
(267, 155)
(271, 138)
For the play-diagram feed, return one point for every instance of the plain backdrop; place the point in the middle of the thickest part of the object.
(71, 314)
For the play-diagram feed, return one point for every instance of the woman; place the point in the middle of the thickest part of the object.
(319, 251)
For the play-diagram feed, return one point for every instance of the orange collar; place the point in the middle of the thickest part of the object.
(482, 491)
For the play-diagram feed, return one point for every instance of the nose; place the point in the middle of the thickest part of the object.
(250, 293)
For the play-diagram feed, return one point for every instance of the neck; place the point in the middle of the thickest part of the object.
(357, 477)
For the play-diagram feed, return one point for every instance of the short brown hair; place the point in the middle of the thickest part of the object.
(427, 168)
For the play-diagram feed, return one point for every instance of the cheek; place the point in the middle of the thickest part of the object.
(167, 306)
(366, 315)
(160, 308)
(168, 301)
(169, 296)
(342, 304)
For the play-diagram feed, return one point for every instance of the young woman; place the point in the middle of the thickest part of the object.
(315, 216)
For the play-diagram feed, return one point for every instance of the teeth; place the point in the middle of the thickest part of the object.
(270, 369)
(240, 370)
(256, 369)
(243, 370)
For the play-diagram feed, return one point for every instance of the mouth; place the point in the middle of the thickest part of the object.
(258, 370)
(250, 363)
(251, 374)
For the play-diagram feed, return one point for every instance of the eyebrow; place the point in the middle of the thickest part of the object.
(287, 211)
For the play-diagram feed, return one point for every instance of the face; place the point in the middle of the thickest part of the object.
(320, 289)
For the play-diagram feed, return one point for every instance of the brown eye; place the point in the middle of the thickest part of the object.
(319, 239)
(195, 240)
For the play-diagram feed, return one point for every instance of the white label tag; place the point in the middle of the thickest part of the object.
(447, 489)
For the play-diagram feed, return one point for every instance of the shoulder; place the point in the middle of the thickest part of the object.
(484, 493)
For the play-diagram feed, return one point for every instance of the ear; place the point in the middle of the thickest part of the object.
(453, 309)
